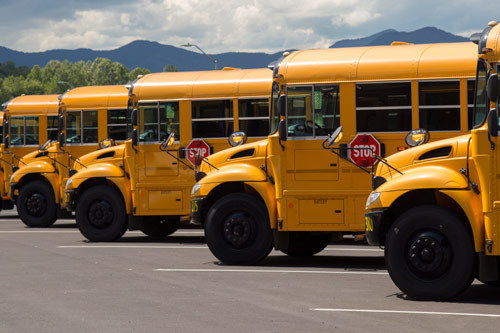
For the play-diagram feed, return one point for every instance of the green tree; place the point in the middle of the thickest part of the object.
(170, 68)
(136, 72)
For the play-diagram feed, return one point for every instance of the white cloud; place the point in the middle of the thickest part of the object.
(230, 25)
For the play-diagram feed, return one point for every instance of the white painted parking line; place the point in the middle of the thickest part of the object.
(266, 271)
(413, 312)
(39, 232)
(130, 247)
(77, 231)
(353, 249)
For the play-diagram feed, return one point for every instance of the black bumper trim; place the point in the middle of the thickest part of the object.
(13, 187)
(196, 208)
(375, 227)
(69, 199)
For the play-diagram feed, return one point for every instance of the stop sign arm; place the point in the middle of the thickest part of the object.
(333, 150)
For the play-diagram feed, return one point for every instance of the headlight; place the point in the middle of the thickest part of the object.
(372, 198)
(195, 189)
(68, 183)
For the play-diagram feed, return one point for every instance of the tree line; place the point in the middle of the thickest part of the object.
(56, 77)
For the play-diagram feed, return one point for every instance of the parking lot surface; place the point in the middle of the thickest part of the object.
(53, 280)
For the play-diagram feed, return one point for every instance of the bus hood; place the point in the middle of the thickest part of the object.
(112, 155)
(440, 153)
(246, 153)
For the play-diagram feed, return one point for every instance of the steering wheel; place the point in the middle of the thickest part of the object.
(309, 125)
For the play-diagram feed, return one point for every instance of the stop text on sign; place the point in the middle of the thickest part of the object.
(363, 147)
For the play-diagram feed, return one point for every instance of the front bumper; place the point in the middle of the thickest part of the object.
(196, 209)
(375, 227)
(69, 200)
(14, 192)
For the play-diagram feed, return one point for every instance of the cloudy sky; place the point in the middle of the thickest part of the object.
(227, 25)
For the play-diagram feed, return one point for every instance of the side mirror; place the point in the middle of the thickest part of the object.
(6, 141)
(60, 123)
(282, 105)
(237, 139)
(61, 139)
(133, 116)
(135, 137)
(493, 122)
(105, 143)
(282, 130)
(492, 87)
(168, 142)
(417, 137)
(333, 138)
(44, 146)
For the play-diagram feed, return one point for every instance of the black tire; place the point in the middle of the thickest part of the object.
(429, 254)
(100, 214)
(160, 226)
(306, 244)
(36, 204)
(237, 230)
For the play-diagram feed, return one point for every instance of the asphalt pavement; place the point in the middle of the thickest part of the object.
(53, 280)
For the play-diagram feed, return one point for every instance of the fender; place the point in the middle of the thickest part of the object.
(98, 170)
(112, 173)
(471, 204)
(267, 193)
(39, 167)
(238, 172)
(426, 177)
(43, 168)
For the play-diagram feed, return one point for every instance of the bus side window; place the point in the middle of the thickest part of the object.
(326, 109)
(254, 116)
(299, 111)
(439, 105)
(118, 124)
(52, 127)
(383, 107)
(212, 119)
(169, 120)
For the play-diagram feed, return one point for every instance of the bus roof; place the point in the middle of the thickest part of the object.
(400, 61)
(33, 105)
(204, 84)
(93, 97)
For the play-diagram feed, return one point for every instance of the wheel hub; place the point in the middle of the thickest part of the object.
(238, 229)
(100, 214)
(429, 254)
(36, 204)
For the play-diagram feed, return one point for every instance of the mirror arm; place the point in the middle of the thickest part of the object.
(178, 159)
(348, 160)
(380, 159)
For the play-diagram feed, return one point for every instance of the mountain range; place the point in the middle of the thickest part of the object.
(155, 56)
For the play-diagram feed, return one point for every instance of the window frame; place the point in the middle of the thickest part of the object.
(24, 131)
(126, 124)
(313, 110)
(255, 118)
(157, 102)
(428, 107)
(193, 120)
(81, 128)
(363, 108)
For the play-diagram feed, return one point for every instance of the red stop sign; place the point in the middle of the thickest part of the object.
(197, 150)
(364, 144)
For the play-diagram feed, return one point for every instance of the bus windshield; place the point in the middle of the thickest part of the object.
(481, 100)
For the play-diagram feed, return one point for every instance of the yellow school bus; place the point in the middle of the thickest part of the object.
(28, 122)
(138, 186)
(288, 192)
(438, 217)
(37, 187)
